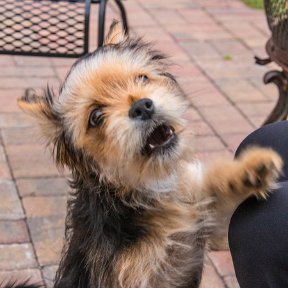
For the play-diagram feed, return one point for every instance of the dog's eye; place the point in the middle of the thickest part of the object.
(142, 79)
(96, 118)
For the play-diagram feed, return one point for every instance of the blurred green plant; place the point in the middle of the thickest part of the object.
(279, 8)
(258, 4)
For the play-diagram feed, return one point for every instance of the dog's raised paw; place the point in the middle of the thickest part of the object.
(260, 169)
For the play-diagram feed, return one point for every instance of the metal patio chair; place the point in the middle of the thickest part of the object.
(53, 28)
(277, 49)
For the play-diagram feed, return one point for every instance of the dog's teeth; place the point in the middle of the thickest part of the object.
(151, 146)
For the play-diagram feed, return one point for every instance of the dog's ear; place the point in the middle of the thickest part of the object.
(116, 34)
(41, 108)
(51, 124)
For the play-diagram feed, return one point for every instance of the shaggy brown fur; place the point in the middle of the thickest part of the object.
(141, 215)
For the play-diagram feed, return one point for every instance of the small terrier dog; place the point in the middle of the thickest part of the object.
(141, 215)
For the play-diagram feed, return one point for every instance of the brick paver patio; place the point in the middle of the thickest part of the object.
(211, 41)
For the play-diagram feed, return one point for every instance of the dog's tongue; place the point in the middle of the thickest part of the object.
(159, 136)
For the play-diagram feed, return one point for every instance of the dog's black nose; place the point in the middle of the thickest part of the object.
(142, 109)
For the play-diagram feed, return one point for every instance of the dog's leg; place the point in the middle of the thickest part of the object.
(168, 255)
(230, 182)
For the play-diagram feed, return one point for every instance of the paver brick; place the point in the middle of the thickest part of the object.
(15, 119)
(262, 27)
(133, 6)
(7, 60)
(196, 86)
(231, 67)
(209, 97)
(47, 237)
(184, 69)
(196, 17)
(13, 232)
(210, 277)
(233, 126)
(44, 206)
(31, 161)
(37, 61)
(153, 34)
(176, 55)
(256, 109)
(233, 140)
(23, 71)
(229, 47)
(270, 91)
(5, 171)
(192, 115)
(2, 155)
(208, 156)
(161, 4)
(231, 282)
(226, 119)
(49, 275)
(8, 100)
(142, 19)
(43, 186)
(244, 30)
(207, 143)
(255, 42)
(62, 72)
(257, 121)
(164, 17)
(23, 135)
(62, 62)
(223, 262)
(17, 256)
(34, 276)
(201, 128)
(28, 82)
(196, 49)
(10, 205)
(240, 90)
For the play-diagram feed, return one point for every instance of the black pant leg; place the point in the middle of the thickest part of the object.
(258, 239)
(258, 232)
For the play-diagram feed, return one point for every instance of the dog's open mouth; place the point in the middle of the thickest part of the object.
(161, 138)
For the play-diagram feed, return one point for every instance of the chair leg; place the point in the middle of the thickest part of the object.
(101, 21)
(280, 111)
(123, 15)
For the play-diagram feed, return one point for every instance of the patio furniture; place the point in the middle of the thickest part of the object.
(54, 28)
(277, 49)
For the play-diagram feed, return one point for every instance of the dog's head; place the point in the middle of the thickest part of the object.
(119, 113)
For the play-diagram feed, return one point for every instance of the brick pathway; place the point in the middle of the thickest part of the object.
(213, 43)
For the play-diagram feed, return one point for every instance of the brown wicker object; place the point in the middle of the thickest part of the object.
(277, 49)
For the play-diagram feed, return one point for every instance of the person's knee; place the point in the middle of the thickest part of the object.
(258, 234)
(242, 237)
